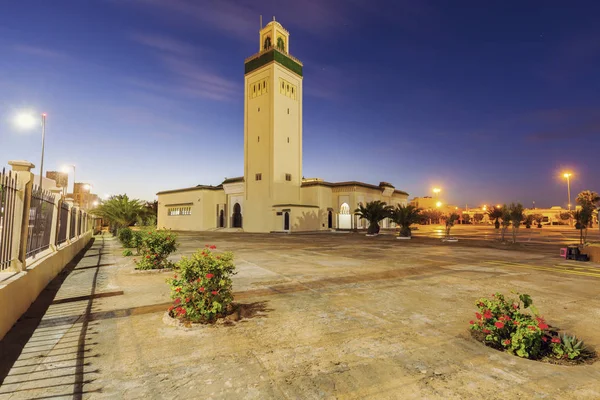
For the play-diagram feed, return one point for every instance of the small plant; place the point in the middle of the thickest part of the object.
(127, 253)
(450, 220)
(155, 248)
(124, 236)
(503, 324)
(202, 289)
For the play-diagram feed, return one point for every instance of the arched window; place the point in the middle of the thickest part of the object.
(345, 209)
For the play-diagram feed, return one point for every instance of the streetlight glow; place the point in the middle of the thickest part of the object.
(567, 176)
(438, 204)
(25, 120)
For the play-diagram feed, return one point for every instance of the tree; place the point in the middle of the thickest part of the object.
(431, 216)
(373, 212)
(582, 218)
(478, 217)
(405, 216)
(505, 219)
(516, 217)
(450, 220)
(529, 219)
(466, 218)
(495, 213)
(120, 211)
(538, 218)
(565, 216)
(588, 200)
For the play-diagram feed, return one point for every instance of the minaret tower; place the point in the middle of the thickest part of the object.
(272, 129)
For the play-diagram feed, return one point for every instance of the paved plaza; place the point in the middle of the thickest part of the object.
(326, 316)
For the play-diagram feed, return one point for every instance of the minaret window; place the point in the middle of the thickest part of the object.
(288, 177)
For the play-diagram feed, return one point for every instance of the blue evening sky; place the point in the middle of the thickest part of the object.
(488, 100)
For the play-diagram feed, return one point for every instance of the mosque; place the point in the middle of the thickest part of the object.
(272, 196)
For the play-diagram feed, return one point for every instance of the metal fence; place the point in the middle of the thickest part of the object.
(80, 222)
(8, 193)
(40, 221)
(63, 223)
(72, 223)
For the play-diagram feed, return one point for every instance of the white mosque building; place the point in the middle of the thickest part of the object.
(272, 196)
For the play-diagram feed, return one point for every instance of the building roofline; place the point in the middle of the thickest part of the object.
(353, 183)
(233, 180)
(295, 205)
(191, 189)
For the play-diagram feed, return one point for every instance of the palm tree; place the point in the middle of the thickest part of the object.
(405, 216)
(516, 217)
(495, 213)
(582, 218)
(450, 220)
(373, 212)
(120, 211)
(505, 219)
(588, 200)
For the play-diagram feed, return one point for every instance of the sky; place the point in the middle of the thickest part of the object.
(490, 101)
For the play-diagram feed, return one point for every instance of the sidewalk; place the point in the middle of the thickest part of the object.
(50, 352)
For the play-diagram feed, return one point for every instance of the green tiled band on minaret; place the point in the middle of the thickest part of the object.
(273, 55)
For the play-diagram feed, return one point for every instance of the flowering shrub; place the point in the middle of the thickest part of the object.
(503, 324)
(202, 289)
(124, 236)
(154, 249)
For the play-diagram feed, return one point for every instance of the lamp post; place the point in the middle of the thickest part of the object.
(437, 192)
(568, 176)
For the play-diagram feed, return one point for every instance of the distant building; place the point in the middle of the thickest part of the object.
(61, 179)
(82, 195)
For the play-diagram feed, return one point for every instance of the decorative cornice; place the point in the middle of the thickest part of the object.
(272, 55)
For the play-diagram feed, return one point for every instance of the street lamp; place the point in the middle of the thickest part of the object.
(484, 207)
(438, 204)
(27, 121)
(437, 192)
(568, 176)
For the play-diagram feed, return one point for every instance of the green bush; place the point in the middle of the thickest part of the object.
(127, 253)
(136, 240)
(202, 290)
(504, 325)
(124, 235)
(154, 249)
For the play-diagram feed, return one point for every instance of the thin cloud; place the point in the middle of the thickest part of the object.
(166, 44)
(40, 51)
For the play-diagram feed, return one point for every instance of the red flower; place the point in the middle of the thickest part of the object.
(543, 325)
(531, 327)
(171, 308)
(147, 256)
(515, 306)
(198, 280)
(487, 314)
(218, 257)
(178, 289)
(471, 322)
(207, 245)
(187, 299)
(486, 331)
(555, 340)
(478, 315)
(544, 338)
(213, 247)
(183, 312)
(201, 289)
(177, 301)
(208, 276)
(516, 323)
(506, 342)
(175, 276)
(214, 292)
(499, 325)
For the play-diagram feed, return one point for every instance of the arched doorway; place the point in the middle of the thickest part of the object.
(286, 221)
(221, 219)
(330, 219)
(237, 216)
(344, 217)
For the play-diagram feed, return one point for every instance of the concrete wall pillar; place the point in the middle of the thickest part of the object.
(22, 206)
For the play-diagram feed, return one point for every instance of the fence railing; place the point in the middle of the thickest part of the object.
(63, 224)
(40, 221)
(8, 193)
(34, 221)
